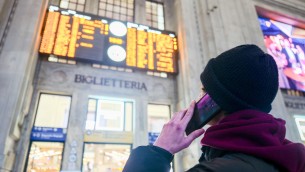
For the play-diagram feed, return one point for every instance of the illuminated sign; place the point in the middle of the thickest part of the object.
(152, 137)
(94, 39)
(286, 44)
(108, 136)
(48, 134)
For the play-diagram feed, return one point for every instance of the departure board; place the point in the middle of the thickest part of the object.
(94, 39)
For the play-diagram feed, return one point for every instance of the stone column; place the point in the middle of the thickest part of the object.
(191, 60)
(73, 151)
(18, 61)
(6, 11)
(140, 135)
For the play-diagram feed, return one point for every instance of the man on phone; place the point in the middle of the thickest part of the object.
(243, 82)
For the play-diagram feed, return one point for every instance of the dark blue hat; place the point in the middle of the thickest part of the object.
(242, 78)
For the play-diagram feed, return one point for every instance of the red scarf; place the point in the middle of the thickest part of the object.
(259, 134)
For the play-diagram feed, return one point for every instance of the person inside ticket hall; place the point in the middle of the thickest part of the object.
(243, 136)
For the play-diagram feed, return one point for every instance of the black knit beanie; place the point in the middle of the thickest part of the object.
(242, 78)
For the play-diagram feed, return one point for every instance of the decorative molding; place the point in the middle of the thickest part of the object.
(295, 6)
(8, 24)
(200, 44)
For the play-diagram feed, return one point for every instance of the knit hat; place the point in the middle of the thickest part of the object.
(242, 78)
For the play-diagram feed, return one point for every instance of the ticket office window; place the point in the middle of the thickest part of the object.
(158, 115)
(45, 157)
(53, 111)
(300, 122)
(109, 115)
(154, 14)
(52, 114)
(105, 157)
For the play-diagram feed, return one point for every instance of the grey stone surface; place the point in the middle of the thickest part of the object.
(5, 10)
(18, 61)
(60, 79)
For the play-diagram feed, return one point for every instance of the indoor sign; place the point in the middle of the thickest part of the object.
(110, 82)
(93, 39)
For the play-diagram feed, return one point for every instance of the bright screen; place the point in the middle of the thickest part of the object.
(286, 44)
(93, 39)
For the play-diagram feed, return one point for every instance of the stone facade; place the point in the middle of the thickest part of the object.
(205, 28)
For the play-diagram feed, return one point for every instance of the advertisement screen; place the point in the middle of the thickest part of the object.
(286, 44)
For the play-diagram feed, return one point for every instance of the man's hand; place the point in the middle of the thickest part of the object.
(172, 137)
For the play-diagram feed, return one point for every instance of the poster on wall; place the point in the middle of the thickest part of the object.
(286, 44)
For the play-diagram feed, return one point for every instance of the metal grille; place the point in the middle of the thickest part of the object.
(117, 9)
(77, 5)
(154, 14)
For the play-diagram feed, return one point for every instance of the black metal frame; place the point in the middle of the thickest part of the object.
(101, 143)
(112, 11)
(76, 4)
(124, 117)
(28, 152)
(29, 148)
(151, 22)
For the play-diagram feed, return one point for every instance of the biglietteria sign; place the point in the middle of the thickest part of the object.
(110, 82)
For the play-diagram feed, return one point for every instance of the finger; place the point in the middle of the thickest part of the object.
(195, 134)
(179, 115)
(188, 115)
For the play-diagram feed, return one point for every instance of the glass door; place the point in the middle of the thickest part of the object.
(105, 157)
(45, 157)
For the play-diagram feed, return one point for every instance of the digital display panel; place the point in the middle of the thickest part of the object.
(286, 44)
(90, 38)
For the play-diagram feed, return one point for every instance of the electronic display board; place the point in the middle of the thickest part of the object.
(94, 39)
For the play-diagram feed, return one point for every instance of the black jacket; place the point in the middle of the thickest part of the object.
(155, 159)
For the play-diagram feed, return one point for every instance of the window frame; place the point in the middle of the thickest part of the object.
(297, 119)
(124, 101)
(38, 102)
(77, 3)
(170, 116)
(101, 143)
(112, 11)
(29, 149)
(33, 125)
(158, 104)
(150, 23)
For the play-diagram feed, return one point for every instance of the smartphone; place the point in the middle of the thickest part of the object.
(205, 110)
